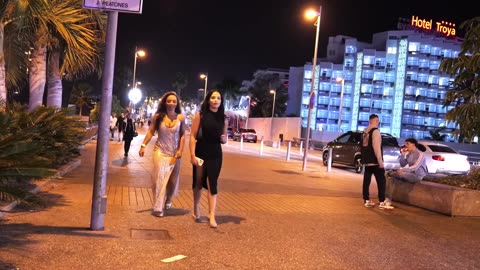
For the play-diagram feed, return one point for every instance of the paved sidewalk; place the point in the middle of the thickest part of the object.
(271, 215)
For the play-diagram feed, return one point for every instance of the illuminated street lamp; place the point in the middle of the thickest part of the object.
(342, 80)
(310, 14)
(204, 77)
(273, 106)
(138, 53)
(134, 95)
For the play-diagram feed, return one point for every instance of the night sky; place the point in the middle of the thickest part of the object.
(235, 38)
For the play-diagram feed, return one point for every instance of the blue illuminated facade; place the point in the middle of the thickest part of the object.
(396, 76)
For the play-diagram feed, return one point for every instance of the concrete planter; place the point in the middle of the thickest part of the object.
(449, 200)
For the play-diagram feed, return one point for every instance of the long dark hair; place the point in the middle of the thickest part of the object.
(220, 114)
(162, 108)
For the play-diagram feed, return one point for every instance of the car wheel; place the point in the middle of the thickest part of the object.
(325, 158)
(358, 165)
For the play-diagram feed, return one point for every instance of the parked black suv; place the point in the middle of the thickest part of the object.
(346, 150)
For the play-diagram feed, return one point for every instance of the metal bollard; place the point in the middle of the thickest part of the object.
(329, 164)
(261, 147)
(289, 146)
(241, 143)
(301, 147)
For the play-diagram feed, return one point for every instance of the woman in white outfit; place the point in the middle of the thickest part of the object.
(169, 124)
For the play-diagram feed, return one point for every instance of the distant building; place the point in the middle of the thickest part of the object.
(396, 76)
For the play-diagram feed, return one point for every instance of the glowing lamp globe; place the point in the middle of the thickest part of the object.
(135, 95)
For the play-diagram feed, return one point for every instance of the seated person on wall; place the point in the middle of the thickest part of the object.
(413, 163)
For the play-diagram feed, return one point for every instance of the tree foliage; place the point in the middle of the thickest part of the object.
(261, 99)
(464, 90)
(179, 83)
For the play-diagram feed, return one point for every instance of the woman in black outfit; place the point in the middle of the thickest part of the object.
(128, 134)
(209, 130)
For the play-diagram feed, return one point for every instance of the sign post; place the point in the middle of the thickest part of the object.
(99, 196)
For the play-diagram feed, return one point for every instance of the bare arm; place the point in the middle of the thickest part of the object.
(377, 146)
(193, 140)
(181, 142)
(148, 136)
(223, 137)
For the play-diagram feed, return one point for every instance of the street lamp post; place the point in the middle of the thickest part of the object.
(248, 111)
(342, 80)
(204, 77)
(138, 53)
(312, 14)
(273, 111)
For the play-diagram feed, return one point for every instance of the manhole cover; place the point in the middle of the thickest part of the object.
(286, 172)
(150, 234)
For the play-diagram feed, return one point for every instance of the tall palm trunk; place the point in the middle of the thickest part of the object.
(54, 81)
(3, 88)
(38, 70)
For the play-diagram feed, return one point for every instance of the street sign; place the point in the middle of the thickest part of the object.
(131, 6)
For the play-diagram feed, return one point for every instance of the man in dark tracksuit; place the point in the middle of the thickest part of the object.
(372, 158)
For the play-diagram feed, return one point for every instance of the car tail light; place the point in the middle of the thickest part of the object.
(438, 158)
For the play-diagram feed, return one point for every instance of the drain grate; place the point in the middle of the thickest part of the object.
(287, 172)
(150, 234)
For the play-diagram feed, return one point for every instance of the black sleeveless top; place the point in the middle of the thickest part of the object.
(208, 146)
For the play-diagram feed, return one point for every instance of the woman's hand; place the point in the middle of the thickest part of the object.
(178, 154)
(223, 139)
(194, 161)
(142, 151)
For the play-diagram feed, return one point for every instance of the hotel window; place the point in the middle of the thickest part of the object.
(422, 77)
(433, 79)
(418, 120)
(333, 115)
(324, 86)
(409, 105)
(441, 109)
(411, 76)
(350, 49)
(432, 94)
(308, 74)
(413, 47)
(305, 100)
(322, 114)
(434, 65)
(436, 51)
(379, 76)
(367, 74)
(368, 60)
(407, 119)
(423, 63)
(392, 50)
(420, 107)
(347, 103)
(412, 61)
(425, 48)
(443, 81)
(334, 102)
(366, 89)
(386, 119)
(323, 100)
(363, 116)
(388, 91)
(455, 54)
(387, 105)
(441, 95)
(409, 91)
(390, 77)
(422, 92)
(430, 121)
(306, 87)
(365, 103)
(447, 53)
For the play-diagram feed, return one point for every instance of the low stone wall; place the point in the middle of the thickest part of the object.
(449, 200)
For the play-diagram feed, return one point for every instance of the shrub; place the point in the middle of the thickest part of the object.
(471, 181)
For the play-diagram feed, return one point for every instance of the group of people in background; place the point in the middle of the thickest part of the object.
(208, 132)
(412, 162)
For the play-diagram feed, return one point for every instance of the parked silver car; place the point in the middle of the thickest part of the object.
(442, 159)
(346, 150)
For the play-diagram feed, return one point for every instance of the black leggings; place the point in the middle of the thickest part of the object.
(211, 170)
(126, 146)
(379, 177)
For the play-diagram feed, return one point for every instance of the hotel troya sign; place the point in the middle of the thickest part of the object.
(132, 6)
(441, 27)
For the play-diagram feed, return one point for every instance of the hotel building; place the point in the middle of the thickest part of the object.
(396, 76)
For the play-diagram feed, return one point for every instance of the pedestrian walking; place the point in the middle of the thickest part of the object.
(169, 124)
(372, 158)
(209, 131)
(128, 134)
(120, 125)
(113, 122)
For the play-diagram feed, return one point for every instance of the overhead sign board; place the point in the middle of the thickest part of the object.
(131, 6)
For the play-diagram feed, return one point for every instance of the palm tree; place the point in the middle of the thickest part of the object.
(180, 83)
(230, 89)
(63, 28)
(464, 91)
(79, 95)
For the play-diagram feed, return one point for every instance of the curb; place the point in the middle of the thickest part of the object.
(61, 172)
